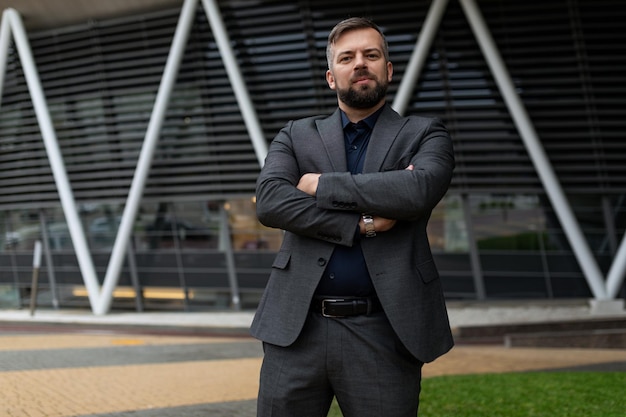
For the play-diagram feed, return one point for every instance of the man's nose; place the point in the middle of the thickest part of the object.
(359, 61)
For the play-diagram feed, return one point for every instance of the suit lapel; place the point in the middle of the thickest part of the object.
(332, 137)
(384, 134)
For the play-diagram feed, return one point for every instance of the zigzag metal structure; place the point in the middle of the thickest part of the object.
(571, 227)
(100, 298)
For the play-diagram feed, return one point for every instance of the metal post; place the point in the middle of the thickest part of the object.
(34, 282)
(419, 55)
(477, 269)
(134, 276)
(180, 268)
(545, 266)
(236, 79)
(531, 140)
(227, 246)
(145, 157)
(48, 254)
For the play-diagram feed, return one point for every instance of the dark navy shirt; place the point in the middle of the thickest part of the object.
(346, 273)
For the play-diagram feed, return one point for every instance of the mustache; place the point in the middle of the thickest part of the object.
(360, 74)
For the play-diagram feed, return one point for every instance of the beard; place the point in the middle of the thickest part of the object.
(363, 97)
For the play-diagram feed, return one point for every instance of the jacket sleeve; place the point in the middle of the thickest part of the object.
(396, 193)
(281, 205)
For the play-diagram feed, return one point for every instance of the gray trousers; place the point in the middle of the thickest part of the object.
(359, 360)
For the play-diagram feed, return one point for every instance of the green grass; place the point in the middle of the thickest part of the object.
(545, 394)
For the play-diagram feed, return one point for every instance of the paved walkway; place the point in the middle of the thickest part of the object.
(137, 366)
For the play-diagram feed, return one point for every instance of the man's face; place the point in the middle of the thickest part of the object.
(359, 73)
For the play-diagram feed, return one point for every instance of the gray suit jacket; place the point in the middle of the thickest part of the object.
(399, 260)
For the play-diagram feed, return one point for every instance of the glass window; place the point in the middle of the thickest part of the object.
(248, 232)
(446, 229)
(181, 225)
(509, 222)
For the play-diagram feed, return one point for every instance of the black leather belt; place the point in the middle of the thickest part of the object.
(345, 306)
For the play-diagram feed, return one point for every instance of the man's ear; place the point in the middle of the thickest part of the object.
(389, 71)
(330, 79)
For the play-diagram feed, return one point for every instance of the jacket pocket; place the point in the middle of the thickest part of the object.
(428, 271)
(282, 260)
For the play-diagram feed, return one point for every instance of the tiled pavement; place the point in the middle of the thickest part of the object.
(142, 371)
(108, 374)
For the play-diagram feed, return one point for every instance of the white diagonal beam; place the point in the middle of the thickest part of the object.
(5, 40)
(11, 18)
(142, 171)
(522, 121)
(236, 79)
(616, 275)
(419, 55)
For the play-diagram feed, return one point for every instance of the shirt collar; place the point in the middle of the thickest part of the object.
(370, 120)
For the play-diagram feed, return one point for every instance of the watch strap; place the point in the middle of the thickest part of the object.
(368, 221)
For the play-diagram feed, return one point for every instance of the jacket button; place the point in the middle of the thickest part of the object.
(335, 203)
(321, 261)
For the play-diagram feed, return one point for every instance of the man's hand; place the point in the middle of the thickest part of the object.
(308, 183)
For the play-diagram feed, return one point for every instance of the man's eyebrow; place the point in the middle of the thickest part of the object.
(345, 51)
(351, 51)
(373, 49)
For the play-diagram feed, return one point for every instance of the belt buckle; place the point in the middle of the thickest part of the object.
(330, 300)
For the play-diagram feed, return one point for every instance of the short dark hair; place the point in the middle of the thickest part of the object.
(347, 25)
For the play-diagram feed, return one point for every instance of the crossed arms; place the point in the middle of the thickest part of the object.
(308, 184)
(294, 196)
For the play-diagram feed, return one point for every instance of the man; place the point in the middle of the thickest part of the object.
(354, 305)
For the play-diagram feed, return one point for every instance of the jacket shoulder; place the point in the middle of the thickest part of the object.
(421, 120)
(391, 116)
(309, 121)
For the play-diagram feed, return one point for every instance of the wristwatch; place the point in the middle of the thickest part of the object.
(369, 225)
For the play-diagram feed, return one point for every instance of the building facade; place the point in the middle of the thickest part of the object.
(500, 232)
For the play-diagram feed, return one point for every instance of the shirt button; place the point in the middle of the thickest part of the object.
(321, 261)
(332, 276)
(353, 147)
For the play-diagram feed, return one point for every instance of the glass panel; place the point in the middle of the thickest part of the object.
(509, 222)
(248, 233)
(446, 229)
(591, 218)
(102, 222)
(22, 230)
(183, 225)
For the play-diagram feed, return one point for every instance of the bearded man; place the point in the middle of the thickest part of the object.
(354, 304)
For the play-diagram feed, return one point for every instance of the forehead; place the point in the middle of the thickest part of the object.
(357, 39)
